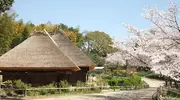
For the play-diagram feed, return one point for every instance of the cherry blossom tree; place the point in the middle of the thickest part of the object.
(158, 47)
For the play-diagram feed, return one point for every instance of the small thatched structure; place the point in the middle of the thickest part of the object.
(41, 60)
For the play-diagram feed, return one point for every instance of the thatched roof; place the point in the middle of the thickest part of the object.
(72, 51)
(38, 52)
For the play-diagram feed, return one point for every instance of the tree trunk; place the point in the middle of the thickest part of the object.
(166, 82)
(126, 67)
(170, 82)
(175, 84)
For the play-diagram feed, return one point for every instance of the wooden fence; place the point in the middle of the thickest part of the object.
(113, 88)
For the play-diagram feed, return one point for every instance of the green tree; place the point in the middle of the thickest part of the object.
(22, 33)
(27, 30)
(41, 27)
(97, 44)
(98, 60)
(63, 26)
(48, 26)
(18, 29)
(5, 5)
(73, 33)
(6, 32)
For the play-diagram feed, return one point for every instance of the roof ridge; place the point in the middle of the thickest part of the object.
(60, 31)
(60, 49)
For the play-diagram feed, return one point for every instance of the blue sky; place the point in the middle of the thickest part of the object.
(102, 15)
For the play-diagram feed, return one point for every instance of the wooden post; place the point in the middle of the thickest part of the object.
(60, 91)
(0, 91)
(25, 92)
(87, 77)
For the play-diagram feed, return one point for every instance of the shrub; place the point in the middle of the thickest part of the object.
(101, 82)
(19, 84)
(48, 91)
(118, 72)
(126, 81)
(43, 92)
(113, 82)
(52, 91)
(80, 84)
(155, 76)
(135, 80)
(144, 73)
(2, 92)
(33, 93)
(8, 84)
(64, 84)
(173, 94)
(95, 90)
(170, 98)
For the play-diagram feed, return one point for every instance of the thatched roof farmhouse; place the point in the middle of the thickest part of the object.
(42, 59)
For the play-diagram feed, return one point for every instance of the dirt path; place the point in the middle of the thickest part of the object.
(153, 82)
(142, 94)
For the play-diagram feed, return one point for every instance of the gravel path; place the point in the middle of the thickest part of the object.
(142, 94)
(153, 82)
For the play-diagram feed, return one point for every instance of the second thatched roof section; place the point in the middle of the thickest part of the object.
(38, 52)
(72, 51)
